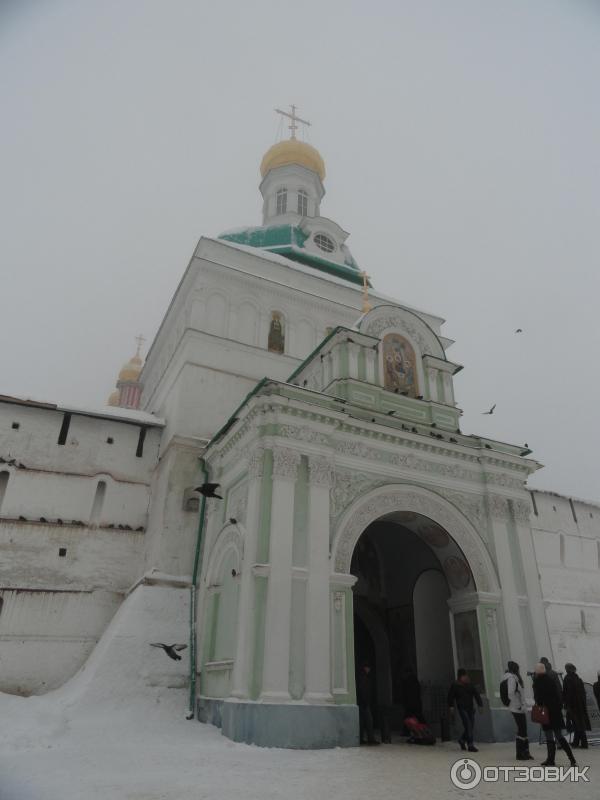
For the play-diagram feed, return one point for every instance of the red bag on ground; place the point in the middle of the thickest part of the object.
(420, 733)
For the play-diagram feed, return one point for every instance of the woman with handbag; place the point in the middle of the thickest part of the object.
(548, 712)
(516, 704)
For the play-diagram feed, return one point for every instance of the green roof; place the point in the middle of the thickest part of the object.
(288, 241)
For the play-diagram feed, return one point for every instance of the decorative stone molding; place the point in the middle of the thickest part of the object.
(396, 319)
(498, 506)
(338, 598)
(404, 498)
(303, 433)
(501, 479)
(490, 618)
(522, 510)
(320, 471)
(256, 462)
(285, 462)
(348, 485)
(408, 460)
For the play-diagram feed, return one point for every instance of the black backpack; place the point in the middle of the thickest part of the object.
(504, 692)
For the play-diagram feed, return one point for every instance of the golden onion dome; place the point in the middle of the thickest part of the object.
(131, 370)
(292, 151)
(114, 398)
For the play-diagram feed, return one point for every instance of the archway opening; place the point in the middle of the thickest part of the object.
(409, 570)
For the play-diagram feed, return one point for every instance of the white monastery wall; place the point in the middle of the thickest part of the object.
(73, 518)
(566, 535)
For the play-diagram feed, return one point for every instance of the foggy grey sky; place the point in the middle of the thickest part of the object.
(461, 141)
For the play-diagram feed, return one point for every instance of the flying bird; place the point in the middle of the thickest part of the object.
(209, 490)
(519, 330)
(170, 649)
(491, 411)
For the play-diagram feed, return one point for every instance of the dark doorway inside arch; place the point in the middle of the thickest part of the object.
(407, 568)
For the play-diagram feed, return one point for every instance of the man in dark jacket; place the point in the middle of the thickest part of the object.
(364, 692)
(546, 694)
(596, 688)
(576, 704)
(464, 694)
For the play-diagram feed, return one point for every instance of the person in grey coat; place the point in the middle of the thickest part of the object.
(518, 709)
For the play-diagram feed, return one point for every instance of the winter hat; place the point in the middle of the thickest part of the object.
(570, 667)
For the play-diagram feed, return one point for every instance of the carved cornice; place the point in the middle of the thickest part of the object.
(303, 433)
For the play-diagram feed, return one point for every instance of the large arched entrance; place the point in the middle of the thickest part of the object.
(407, 568)
(423, 578)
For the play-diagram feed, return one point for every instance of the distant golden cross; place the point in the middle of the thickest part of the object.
(140, 341)
(366, 306)
(295, 119)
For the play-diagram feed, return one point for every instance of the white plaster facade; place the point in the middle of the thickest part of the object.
(308, 463)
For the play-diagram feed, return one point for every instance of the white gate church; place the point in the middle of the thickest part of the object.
(358, 524)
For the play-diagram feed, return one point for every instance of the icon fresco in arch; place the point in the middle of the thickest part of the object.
(399, 365)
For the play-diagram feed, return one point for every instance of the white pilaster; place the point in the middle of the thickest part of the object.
(317, 653)
(244, 646)
(370, 356)
(276, 666)
(432, 376)
(353, 351)
(506, 570)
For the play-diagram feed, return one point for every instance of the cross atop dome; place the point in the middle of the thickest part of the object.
(294, 119)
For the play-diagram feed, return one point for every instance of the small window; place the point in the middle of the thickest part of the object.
(64, 428)
(62, 552)
(281, 201)
(4, 476)
(109, 440)
(15, 426)
(324, 243)
(562, 548)
(140, 445)
(302, 202)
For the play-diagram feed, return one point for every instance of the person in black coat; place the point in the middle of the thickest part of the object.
(464, 694)
(364, 692)
(576, 704)
(411, 695)
(546, 694)
(596, 688)
(553, 674)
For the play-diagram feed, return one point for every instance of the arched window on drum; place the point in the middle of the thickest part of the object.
(399, 365)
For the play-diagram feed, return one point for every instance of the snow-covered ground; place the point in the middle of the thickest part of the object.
(51, 750)
(117, 730)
